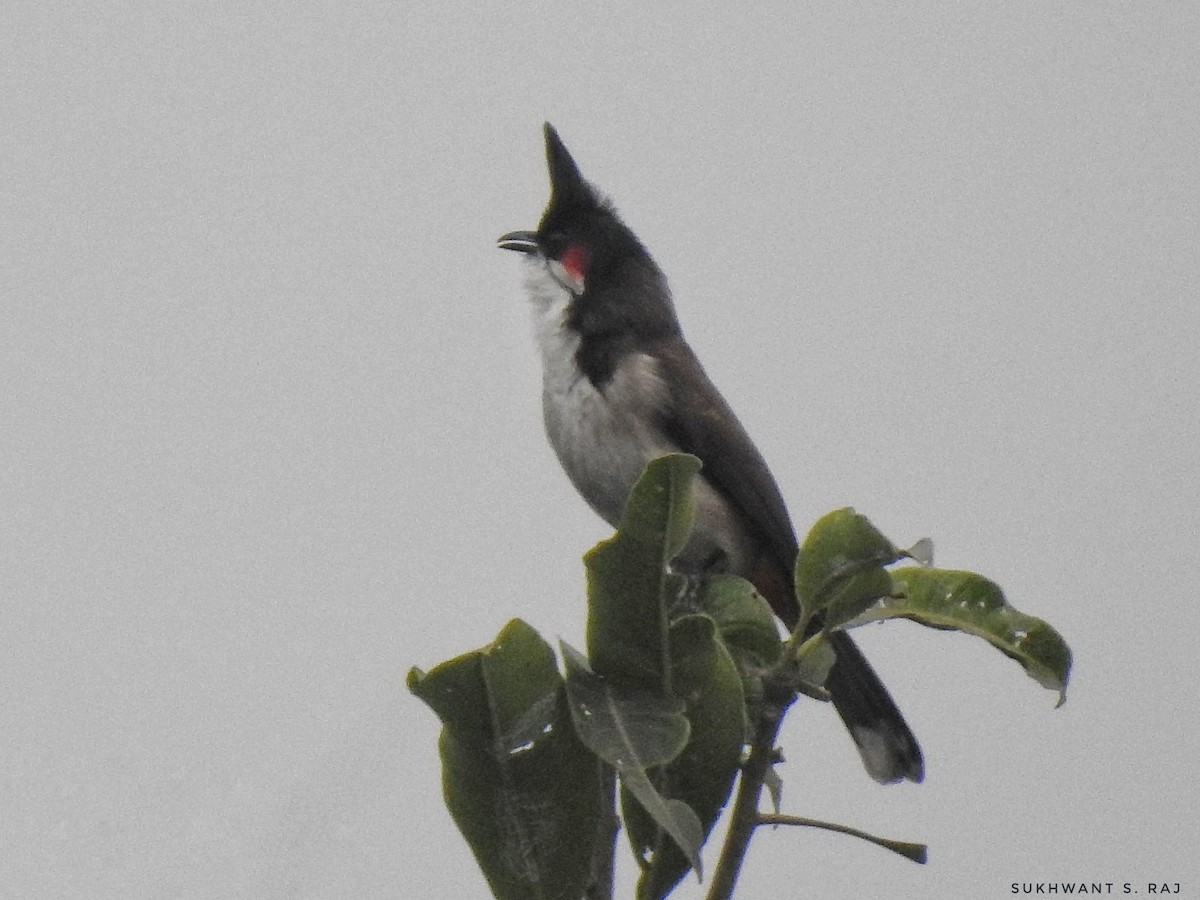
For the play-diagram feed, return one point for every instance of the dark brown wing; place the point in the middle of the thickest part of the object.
(700, 422)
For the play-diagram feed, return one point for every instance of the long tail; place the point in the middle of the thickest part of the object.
(888, 748)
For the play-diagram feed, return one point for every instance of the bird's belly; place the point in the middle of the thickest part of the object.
(602, 448)
(605, 438)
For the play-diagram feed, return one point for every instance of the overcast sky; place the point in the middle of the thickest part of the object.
(270, 427)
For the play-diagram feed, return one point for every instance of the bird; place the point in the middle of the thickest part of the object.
(621, 386)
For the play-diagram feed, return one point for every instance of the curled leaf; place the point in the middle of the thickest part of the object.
(964, 601)
(839, 570)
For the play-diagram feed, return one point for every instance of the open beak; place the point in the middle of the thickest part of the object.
(521, 241)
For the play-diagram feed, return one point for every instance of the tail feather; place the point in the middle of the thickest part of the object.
(887, 746)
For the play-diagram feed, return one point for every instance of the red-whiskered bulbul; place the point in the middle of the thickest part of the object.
(621, 386)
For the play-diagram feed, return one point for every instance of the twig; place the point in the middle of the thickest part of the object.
(745, 817)
(916, 852)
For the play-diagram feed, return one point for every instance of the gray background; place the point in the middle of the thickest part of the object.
(270, 420)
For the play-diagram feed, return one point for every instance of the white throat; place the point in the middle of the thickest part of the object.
(604, 437)
(551, 301)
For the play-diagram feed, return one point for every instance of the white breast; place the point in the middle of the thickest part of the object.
(601, 437)
(604, 438)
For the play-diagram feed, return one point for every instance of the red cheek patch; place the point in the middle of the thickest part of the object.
(575, 260)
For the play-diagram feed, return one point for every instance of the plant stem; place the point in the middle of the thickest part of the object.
(607, 827)
(907, 849)
(745, 816)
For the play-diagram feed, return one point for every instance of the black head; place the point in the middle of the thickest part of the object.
(580, 228)
(621, 296)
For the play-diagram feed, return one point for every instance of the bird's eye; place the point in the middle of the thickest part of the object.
(554, 244)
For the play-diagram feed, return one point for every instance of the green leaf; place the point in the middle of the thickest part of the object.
(629, 588)
(964, 601)
(634, 731)
(523, 790)
(813, 662)
(743, 617)
(702, 776)
(748, 629)
(839, 570)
